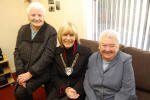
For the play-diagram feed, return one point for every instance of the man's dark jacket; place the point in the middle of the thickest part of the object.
(35, 55)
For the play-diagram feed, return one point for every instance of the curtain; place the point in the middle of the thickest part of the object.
(130, 18)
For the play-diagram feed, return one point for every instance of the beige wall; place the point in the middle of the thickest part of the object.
(71, 10)
(13, 15)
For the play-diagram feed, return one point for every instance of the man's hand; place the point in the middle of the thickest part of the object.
(23, 77)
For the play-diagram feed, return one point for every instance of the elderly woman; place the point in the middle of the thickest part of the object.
(35, 46)
(69, 66)
(110, 75)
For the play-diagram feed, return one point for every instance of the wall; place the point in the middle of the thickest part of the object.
(13, 15)
(71, 10)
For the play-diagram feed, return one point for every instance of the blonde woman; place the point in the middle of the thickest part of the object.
(69, 65)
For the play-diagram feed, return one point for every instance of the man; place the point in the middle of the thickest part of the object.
(110, 75)
(35, 46)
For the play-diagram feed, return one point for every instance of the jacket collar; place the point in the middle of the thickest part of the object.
(26, 35)
(114, 61)
(78, 50)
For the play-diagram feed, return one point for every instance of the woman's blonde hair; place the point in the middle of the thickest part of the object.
(67, 28)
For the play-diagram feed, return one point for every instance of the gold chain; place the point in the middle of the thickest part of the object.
(74, 61)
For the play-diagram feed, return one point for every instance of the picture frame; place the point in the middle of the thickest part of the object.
(50, 1)
(57, 3)
(51, 8)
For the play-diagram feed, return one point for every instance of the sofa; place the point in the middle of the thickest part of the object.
(141, 66)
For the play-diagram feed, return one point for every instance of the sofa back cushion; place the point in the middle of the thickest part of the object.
(93, 45)
(141, 65)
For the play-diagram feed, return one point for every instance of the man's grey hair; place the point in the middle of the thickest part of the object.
(36, 5)
(109, 34)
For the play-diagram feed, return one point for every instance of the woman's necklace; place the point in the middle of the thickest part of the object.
(69, 70)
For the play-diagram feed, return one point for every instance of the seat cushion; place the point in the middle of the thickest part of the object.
(143, 95)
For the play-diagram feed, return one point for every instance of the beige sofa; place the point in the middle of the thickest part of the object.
(141, 66)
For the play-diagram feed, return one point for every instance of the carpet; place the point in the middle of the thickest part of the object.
(7, 93)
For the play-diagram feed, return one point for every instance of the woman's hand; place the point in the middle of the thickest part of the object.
(71, 93)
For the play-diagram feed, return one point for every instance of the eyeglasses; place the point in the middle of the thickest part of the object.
(111, 46)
